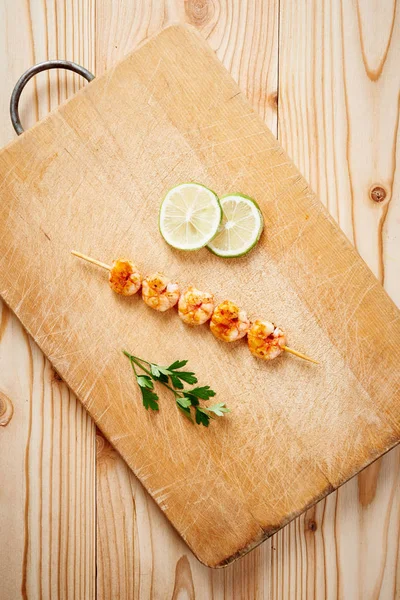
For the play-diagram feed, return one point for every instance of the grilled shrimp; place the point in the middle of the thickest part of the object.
(159, 293)
(195, 307)
(124, 277)
(265, 340)
(229, 322)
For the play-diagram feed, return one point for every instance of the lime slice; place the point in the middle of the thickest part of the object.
(240, 229)
(190, 215)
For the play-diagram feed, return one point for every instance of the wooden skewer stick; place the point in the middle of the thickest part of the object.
(108, 268)
(91, 260)
(300, 355)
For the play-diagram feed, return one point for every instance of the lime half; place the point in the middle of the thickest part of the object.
(190, 215)
(240, 229)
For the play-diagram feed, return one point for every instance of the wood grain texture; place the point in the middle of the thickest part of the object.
(47, 521)
(316, 439)
(335, 122)
(153, 561)
(311, 557)
(47, 458)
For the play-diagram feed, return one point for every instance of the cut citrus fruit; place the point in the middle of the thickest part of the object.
(190, 215)
(240, 228)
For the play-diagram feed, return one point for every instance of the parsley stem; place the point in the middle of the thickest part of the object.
(177, 394)
(141, 360)
(133, 367)
(135, 360)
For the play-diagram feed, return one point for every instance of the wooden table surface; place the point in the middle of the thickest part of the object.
(74, 522)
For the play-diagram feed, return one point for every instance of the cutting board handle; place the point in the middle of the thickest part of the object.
(23, 80)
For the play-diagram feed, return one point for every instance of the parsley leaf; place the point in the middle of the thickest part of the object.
(176, 382)
(150, 399)
(202, 418)
(193, 400)
(186, 376)
(218, 409)
(204, 392)
(164, 370)
(145, 381)
(159, 373)
(184, 402)
(178, 364)
(154, 370)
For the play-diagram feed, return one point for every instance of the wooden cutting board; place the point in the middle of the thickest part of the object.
(90, 177)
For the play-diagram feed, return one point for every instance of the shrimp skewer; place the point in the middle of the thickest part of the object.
(228, 322)
(195, 307)
(124, 277)
(267, 341)
(159, 293)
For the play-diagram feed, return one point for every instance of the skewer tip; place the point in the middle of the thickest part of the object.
(91, 260)
(300, 355)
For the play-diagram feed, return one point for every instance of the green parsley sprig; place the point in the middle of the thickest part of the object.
(174, 378)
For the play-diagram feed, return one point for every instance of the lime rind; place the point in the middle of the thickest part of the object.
(239, 240)
(189, 217)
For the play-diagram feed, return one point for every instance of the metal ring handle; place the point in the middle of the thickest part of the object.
(23, 80)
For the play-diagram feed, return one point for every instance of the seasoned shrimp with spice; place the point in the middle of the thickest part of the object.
(195, 307)
(229, 322)
(124, 277)
(159, 293)
(265, 340)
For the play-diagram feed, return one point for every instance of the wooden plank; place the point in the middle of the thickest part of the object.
(47, 521)
(153, 562)
(332, 423)
(47, 497)
(140, 556)
(244, 36)
(338, 119)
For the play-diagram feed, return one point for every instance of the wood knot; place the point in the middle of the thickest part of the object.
(198, 12)
(273, 100)
(56, 376)
(104, 450)
(311, 525)
(183, 586)
(100, 444)
(368, 483)
(6, 410)
(377, 193)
